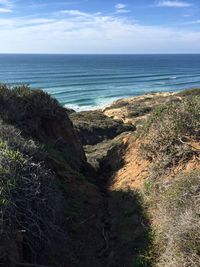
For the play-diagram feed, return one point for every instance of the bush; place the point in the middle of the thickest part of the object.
(178, 228)
(168, 134)
(30, 202)
(174, 205)
(25, 102)
(190, 92)
(40, 117)
(137, 111)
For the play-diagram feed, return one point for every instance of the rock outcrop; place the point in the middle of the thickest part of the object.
(94, 127)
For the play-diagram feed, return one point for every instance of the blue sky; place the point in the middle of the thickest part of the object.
(99, 26)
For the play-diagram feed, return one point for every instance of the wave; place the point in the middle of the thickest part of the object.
(78, 108)
(95, 81)
(99, 103)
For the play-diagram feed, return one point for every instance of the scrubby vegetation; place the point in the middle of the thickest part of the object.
(31, 205)
(38, 148)
(177, 217)
(190, 92)
(94, 127)
(136, 111)
(41, 117)
(170, 133)
(171, 142)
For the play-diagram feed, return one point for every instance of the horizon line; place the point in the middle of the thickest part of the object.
(103, 54)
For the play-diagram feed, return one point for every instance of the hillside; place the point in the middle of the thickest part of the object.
(113, 187)
(162, 163)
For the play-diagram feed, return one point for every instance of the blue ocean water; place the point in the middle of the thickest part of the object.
(86, 81)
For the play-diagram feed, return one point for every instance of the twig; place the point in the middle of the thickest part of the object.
(185, 143)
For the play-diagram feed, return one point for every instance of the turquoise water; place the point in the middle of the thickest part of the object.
(87, 81)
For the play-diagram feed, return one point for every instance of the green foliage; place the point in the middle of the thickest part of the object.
(132, 222)
(94, 127)
(167, 131)
(148, 185)
(174, 206)
(30, 201)
(24, 100)
(190, 92)
(30, 110)
(178, 209)
(40, 117)
(137, 111)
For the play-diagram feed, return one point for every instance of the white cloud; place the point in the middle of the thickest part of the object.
(122, 11)
(4, 2)
(79, 32)
(5, 10)
(193, 22)
(6, 6)
(187, 15)
(7, 3)
(120, 6)
(75, 13)
(173, 3)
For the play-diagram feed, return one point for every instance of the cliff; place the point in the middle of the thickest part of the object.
(113, 187)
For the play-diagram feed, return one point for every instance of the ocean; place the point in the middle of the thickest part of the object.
(83, 82)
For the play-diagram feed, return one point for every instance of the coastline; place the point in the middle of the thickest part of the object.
(133, 109)
(126, 100)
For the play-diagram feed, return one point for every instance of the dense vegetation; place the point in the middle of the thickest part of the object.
(41, 117)
(31, 205)
(94, 127)
(38, 147)
(171, 193)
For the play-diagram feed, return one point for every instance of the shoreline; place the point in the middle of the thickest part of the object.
(102, 107)
(135, 109)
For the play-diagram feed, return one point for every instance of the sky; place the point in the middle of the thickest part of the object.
(100, 26)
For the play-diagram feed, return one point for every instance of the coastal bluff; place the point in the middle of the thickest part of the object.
(117, 186)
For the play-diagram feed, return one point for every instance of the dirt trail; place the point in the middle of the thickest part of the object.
(123, 225)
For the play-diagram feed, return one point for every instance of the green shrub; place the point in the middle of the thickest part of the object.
(30, 202)
(25, 102)
(173, 205)
(178, 209)
(167, 132)
(40, 117)
(137, 111)
(190, 92)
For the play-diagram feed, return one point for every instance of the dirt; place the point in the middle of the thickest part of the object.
(137, 109)
(121, 221)
(133, 173)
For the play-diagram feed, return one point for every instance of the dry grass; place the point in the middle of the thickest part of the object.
(174, 204)
(168, 134)
(177, 222)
